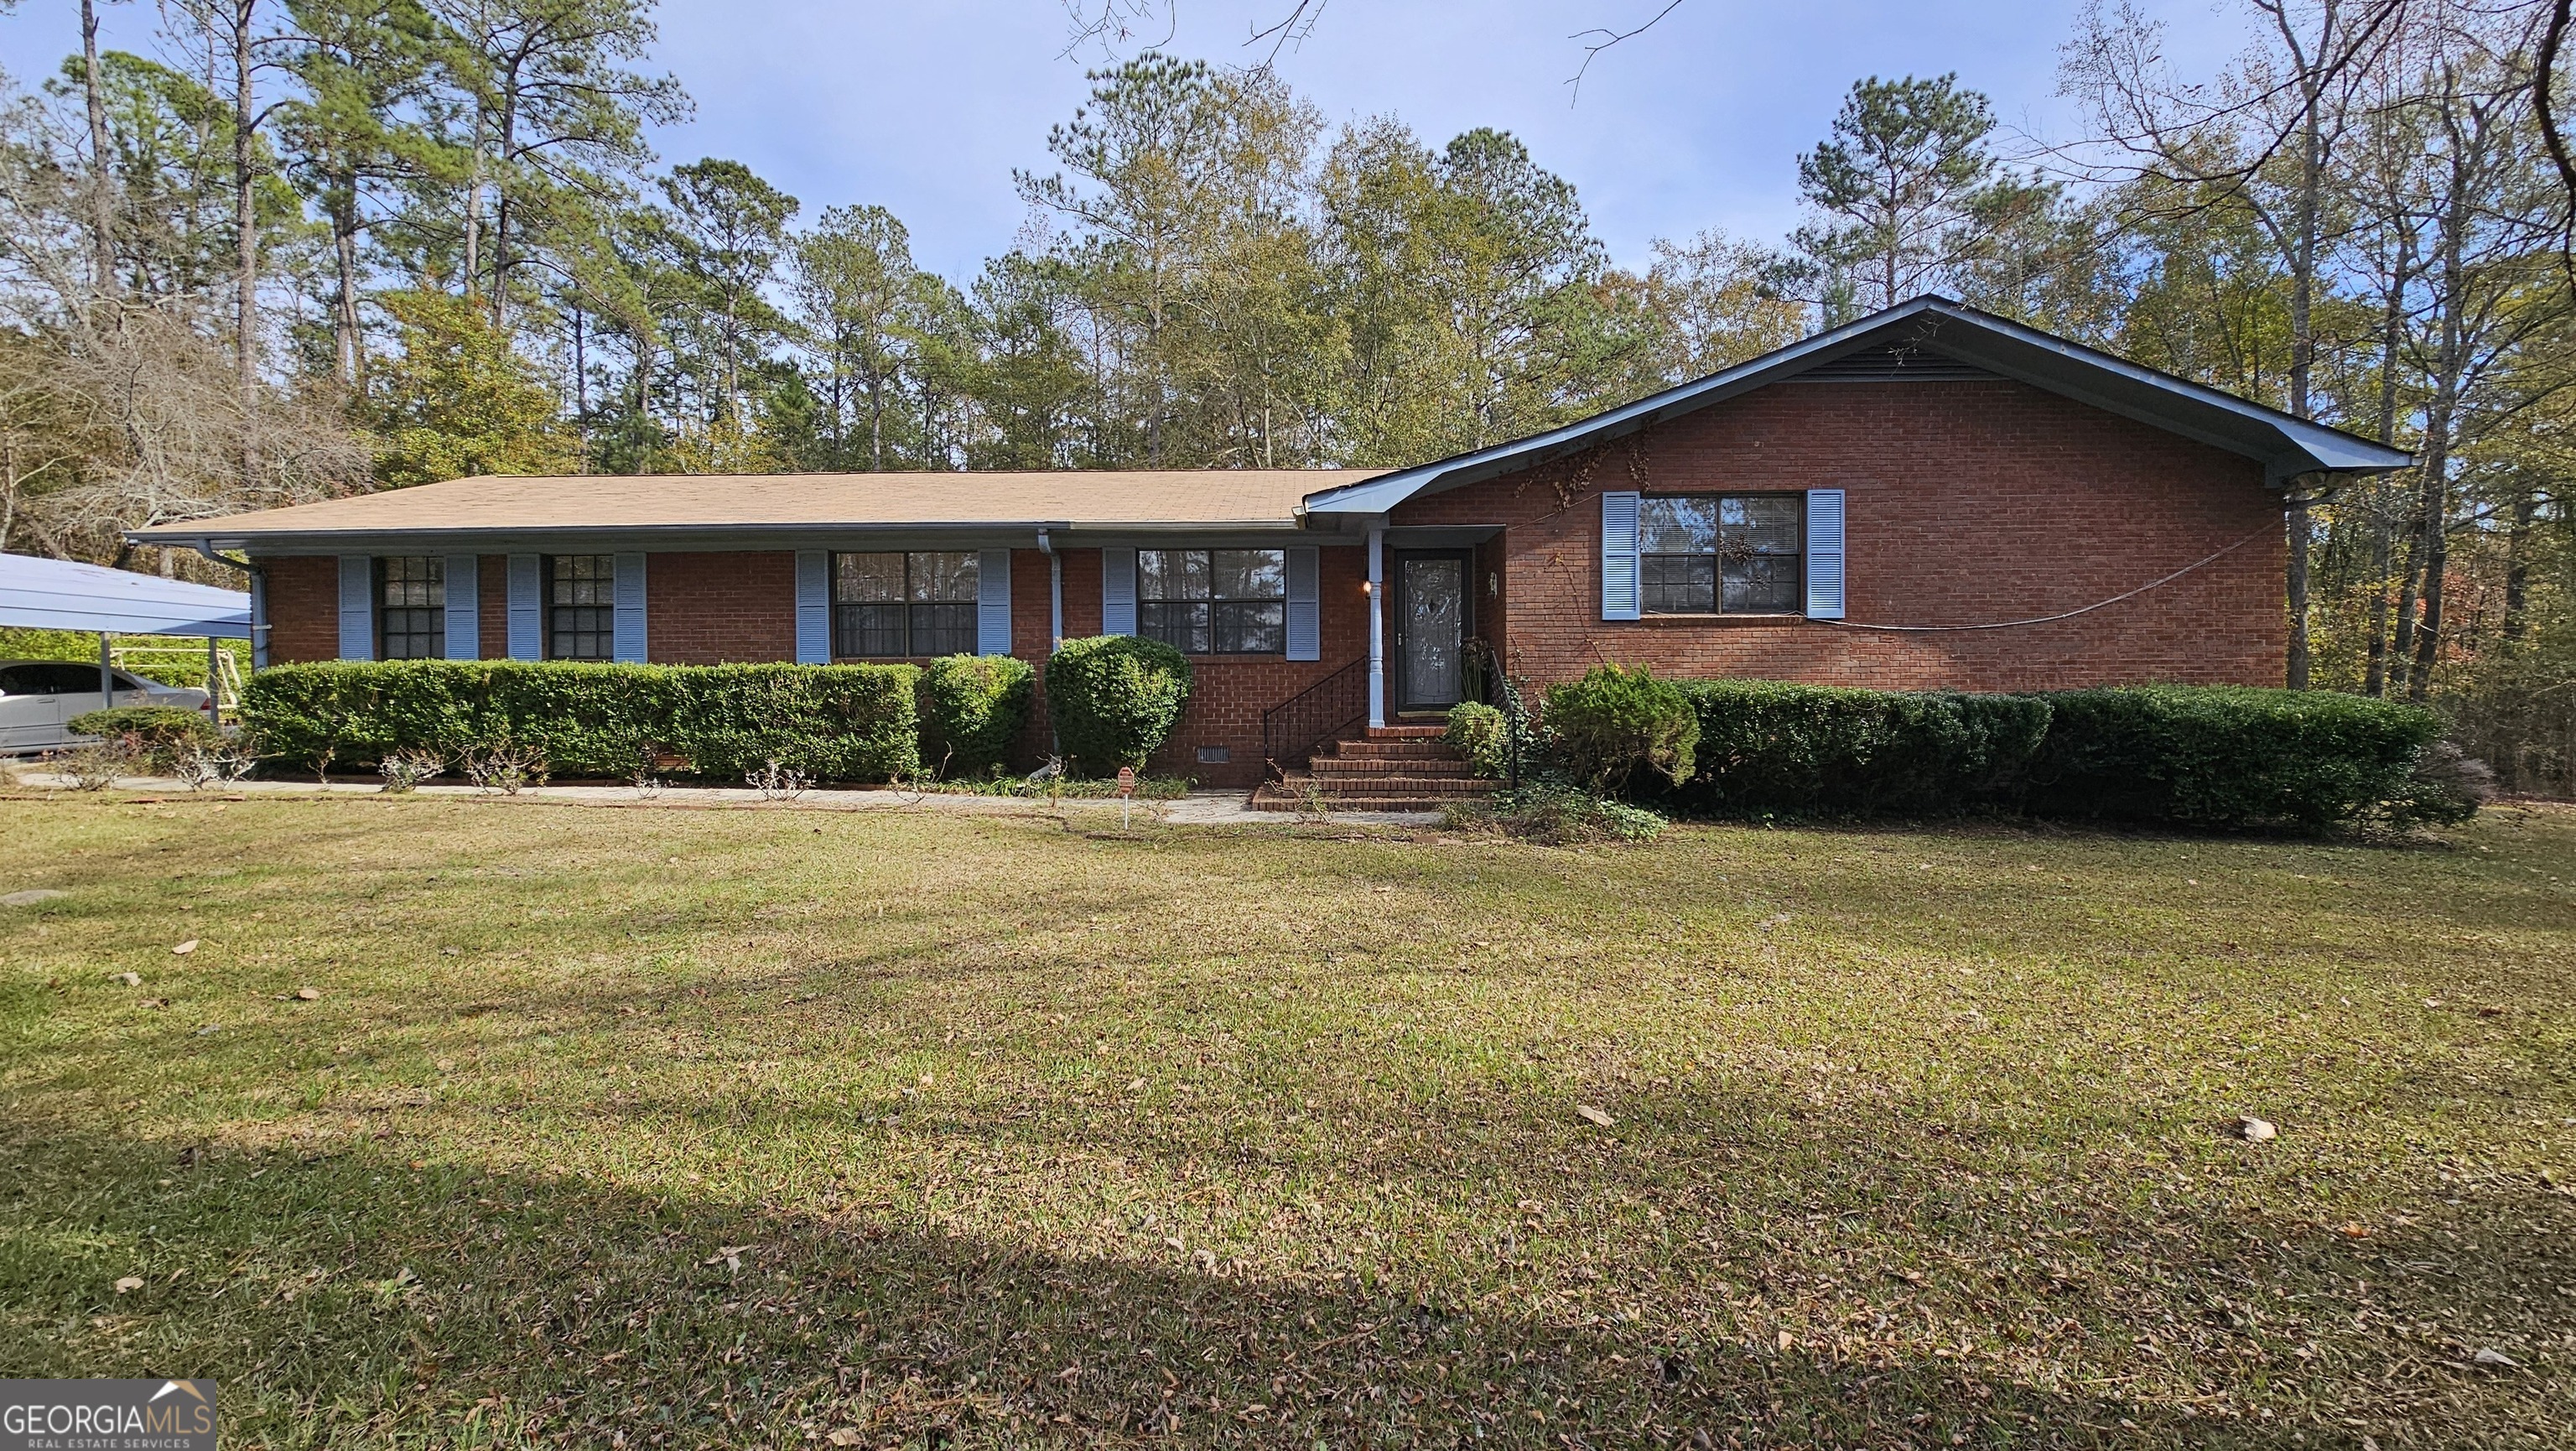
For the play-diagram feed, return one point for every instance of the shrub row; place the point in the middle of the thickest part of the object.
(2200, 756)
(2236, 757)
(834, 722)
(1767, 747)
(1114, 699)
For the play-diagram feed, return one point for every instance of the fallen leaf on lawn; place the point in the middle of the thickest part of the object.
(2356, 1231)
(1136, 1087)
(153, 1003)
(1593, 1116)
(184, 948)
(129, 1283)
(308, 994)
(730, 1255)
(843, 1436)
(2487, 1355)
(2256, 1130)
(130, 979)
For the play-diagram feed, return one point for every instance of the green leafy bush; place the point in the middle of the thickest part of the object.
(156, 732)
(1613, 722)
(1479, 733)
(1115, 699)
(2226, 756)
(1553, 815)
(1772, 748)
(973, 708)
(833, 722)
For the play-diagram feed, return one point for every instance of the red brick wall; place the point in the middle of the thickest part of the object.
(1227, 694)
(303, 608)
(1967, 502)
(717, 609)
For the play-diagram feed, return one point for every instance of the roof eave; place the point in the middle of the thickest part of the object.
(211, 534)
(2308, 447)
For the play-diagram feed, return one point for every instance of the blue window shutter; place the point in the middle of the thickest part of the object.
(464, 602)
(1824, 554)
(1622, 598)
(813, 607)
(1305, 604)
(1118, 591)
(357, 607)
(527, 607)
(626, 642)
(993, 603)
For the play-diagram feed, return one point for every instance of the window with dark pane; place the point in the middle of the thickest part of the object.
(1704, 554)
(895, 605)
(411, 607)
(1172, 603)
(581, 606)
(1762, 553)
(942, 592)
(1214, 601)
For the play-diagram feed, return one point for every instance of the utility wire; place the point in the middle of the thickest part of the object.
(2068, 615)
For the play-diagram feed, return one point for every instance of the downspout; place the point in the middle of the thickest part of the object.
(1055, 626)
(258, 606)
(1055, 590)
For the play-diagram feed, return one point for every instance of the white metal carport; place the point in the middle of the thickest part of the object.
(58, 594)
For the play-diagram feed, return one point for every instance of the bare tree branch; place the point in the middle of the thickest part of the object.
(1609, 38)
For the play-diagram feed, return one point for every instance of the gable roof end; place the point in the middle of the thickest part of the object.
(1952, 335)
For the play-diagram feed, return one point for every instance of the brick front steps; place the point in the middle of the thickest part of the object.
(1392, 768)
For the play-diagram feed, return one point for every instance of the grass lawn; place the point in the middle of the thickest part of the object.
(659, 1127)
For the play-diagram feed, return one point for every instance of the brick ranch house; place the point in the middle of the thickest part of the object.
(1929, 497)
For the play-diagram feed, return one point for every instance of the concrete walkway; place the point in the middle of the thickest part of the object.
(1199, 808)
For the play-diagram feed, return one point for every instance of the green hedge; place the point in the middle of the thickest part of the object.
(2178, 755)
(1613, 725)
(973, 708)
(835, 722)
(1115, 699)
(2226, 756)
(1767, 747)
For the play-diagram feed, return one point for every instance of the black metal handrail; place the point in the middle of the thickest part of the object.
(1292, 729)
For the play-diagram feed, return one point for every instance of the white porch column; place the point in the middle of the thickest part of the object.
(1377, 624)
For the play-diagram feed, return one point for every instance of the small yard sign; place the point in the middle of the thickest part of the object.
(1126, 781)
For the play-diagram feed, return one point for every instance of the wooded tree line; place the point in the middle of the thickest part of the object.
(310, 246)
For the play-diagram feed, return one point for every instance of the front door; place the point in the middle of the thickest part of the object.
(1431, 626)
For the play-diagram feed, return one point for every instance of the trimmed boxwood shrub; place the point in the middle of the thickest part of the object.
(973, 708)
(1115, 699)
(834, 722)
(1612, 723)
(2227, 756)
(158, 731)
(1768, 747)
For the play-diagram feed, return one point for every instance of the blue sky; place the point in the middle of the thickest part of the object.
(926, 107)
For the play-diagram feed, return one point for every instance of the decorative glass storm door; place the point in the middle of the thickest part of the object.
(1430, 630)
